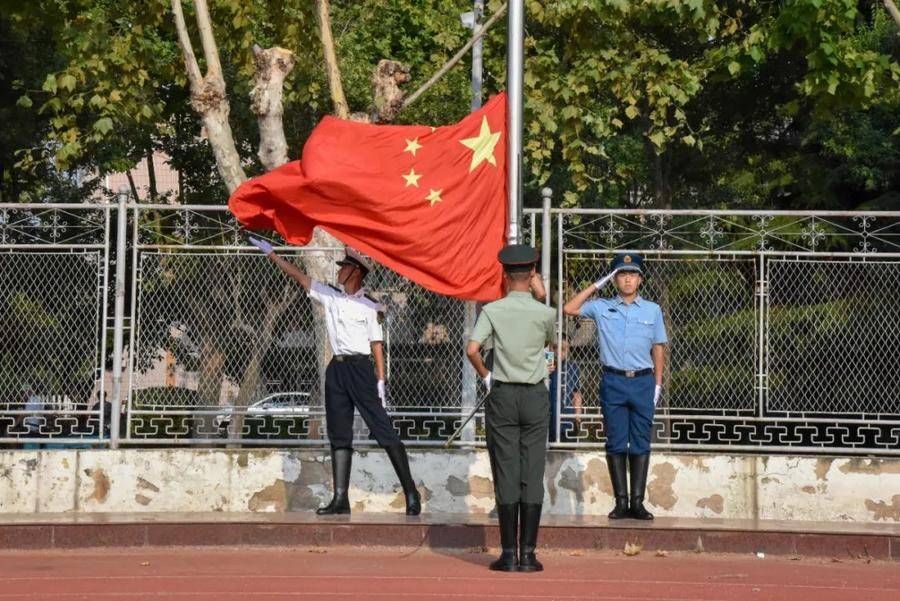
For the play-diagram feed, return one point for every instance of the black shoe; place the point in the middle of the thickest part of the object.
(340, 472)
(530, 520)
(400, 461)
(618, 475)
(508, 517)
(639, 464)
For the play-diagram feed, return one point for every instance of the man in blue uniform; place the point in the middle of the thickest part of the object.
(632, 338)
(355, 334)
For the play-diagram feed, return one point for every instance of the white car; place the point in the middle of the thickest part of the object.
(290, 404)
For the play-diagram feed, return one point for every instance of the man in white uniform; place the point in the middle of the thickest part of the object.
(355, 334)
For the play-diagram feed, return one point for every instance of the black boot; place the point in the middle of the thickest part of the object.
(618, 474)
(508, 516)
(400, 461)
(639, 466)
(340, 472)
(530, 519)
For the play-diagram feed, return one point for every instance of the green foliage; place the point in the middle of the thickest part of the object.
(682, 103)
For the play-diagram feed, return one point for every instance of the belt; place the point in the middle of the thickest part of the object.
(628, 373)
(502, 383)
(350, 358)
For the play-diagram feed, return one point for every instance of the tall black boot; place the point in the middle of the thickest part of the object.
(618, 474)
(400, 461)
(508, 516)
(639, 466)
(340, 472)
(530, 519)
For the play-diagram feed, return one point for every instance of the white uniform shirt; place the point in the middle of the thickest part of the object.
(351, 319)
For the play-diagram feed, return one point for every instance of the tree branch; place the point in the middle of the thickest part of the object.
(341, 108)
(187, 50)
(477, 35)
(892, 8)
(210, 50)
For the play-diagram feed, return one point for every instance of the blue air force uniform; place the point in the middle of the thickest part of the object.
(626, 333)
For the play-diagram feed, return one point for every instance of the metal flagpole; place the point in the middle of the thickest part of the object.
(514, 61)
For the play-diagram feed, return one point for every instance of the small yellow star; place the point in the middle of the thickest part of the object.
(434, 196)
(482, 145)
(412, 178)
(412, 146)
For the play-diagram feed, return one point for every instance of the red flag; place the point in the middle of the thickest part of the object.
(430, 203)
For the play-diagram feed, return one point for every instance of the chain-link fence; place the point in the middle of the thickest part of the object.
(53, 269)
(781, 327)
(783, 331)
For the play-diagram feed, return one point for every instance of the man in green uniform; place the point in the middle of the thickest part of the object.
(517, 411)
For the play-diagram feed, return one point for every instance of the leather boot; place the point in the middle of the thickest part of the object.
(639, 466)
(618, 474)
(340, 472)
(400, 461)
(530, 520)
(508, 516)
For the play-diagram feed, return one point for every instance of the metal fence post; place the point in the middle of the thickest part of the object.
(118, 320)
(547, 195)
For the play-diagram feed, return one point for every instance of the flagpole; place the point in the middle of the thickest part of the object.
(514, 68)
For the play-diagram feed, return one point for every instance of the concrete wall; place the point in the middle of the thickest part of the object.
(577, 483)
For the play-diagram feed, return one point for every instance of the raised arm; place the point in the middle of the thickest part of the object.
(573, 305)
(286, 266)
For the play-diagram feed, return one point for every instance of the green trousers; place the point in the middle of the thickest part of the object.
(517, 417)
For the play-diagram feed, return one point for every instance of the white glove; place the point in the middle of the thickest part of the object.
(602, 281)
(262, 245)
(656, 394)
(381, 393)
(487, 381)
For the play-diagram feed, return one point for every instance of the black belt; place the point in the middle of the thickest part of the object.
(502, 383)
(350, 358)
(628, 373)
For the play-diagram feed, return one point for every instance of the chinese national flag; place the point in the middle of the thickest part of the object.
(428, 202)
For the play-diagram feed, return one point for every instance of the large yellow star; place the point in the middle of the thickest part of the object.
(482, 145)
(412, 178)
(434, 196)
(412, 146)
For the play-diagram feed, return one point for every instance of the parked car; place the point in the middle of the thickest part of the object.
(288, 404)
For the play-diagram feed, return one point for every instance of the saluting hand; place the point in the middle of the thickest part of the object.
(602, 281)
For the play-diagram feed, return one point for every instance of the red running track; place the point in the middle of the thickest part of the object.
(363, 574)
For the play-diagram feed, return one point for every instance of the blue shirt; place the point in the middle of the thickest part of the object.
(626, 331)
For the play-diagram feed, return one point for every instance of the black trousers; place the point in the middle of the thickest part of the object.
(517, 417)
(351, 383)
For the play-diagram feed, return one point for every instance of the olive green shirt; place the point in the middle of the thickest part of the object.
(520, 327)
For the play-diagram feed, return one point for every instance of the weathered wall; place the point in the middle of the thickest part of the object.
(577, 483)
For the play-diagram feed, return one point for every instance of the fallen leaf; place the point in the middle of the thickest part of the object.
(145, 563)
(661, 553)
(318, 550)
(632, 549)
(576, 554)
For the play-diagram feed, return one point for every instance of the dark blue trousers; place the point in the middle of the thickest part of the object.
(627, 405)
(351, 384)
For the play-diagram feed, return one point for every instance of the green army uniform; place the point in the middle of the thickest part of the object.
(517, 411)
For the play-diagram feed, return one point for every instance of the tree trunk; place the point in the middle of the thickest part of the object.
(272, 66)
(212, 373)
(151, 176)
(892, 8)
(250, 381)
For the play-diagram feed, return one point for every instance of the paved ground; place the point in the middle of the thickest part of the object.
(362, 574)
